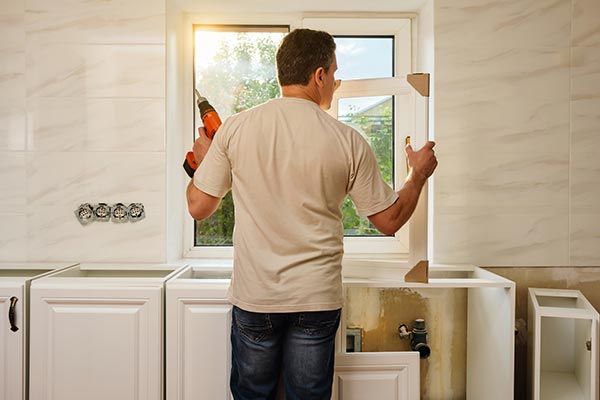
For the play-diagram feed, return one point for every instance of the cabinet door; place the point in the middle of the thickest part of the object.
(11, 344)
(198, 349)
(96, 344)
(381, 376)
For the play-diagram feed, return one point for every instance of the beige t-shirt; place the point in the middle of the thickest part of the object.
(290, 166)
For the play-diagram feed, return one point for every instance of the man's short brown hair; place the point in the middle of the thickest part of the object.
(300, 53)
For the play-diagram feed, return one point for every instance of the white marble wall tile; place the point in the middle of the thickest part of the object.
(109, 21)
(12, 7)
(502, 23)
(585, 238)
(518, 126)
(13, 237)
(127, 177)
(586, 29)
(115, 124)
(464, 75)
(502, 128)
(143, 241)
(12, 128)
(12, 45)
(12, 78)
(490, 179)
(12, 25)
(508, 236)
(13, 222)
(96, 71)
(585, 181)
(82, 86)
(73, 178)
(516, 111)
(585, 138)
(13, 183)
(12, 90)
(58, 178)
(585, 72)
(54, 234)
(585, 125)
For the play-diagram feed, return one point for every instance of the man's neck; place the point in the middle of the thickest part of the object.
(302, 92)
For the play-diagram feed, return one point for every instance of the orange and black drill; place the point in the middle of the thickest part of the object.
(211, 122)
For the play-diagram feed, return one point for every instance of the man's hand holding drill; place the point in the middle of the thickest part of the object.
(201, 145)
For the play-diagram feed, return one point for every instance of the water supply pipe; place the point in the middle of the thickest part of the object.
(417, 336)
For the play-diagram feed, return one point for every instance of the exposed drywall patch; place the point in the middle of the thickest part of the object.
(365, 309)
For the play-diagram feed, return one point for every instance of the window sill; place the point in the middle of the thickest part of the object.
(369, 266)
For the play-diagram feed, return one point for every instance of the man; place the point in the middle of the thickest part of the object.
(290, 165)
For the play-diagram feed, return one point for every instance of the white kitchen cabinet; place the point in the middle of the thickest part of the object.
(199, 348)
(489, 339)
(198, 344)
(15, 280)
(97, 333)
(198, 339)
(198, 335)
(562, 345)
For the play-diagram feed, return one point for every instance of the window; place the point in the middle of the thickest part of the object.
(364, 57)
(234, 67)
(374, 58)
(373, 118)
(367, 57)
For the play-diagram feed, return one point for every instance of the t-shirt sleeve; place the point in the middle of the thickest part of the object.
(367, 189)
(213, 175)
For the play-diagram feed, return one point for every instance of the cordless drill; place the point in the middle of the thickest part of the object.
(211, 122)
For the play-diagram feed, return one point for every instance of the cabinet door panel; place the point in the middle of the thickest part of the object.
(11, 345)
(201, 366)
(384, 376)
(97, 344)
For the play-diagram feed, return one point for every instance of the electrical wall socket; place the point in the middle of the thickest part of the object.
(103, 212)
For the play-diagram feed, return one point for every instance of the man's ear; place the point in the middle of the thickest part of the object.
(319, 76)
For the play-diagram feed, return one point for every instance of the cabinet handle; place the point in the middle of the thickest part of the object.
(12, 314)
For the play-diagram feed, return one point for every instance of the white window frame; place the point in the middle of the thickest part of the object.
(356, 249)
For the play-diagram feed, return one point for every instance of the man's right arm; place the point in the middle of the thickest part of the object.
(422, 163)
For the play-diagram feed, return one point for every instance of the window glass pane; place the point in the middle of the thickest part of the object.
(373, 117)
(234, 70)
(364, 57)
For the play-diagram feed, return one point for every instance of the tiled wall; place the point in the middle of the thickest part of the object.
(81, 120)
(518, 126)
(517, 85)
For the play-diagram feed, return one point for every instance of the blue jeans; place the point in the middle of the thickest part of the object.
(299, 344)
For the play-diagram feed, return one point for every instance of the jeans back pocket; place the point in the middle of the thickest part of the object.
(255, 326)
(320, 322)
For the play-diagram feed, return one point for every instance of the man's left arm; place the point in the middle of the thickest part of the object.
(212, 180)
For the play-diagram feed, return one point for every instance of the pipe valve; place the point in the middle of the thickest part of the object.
(417, 337)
